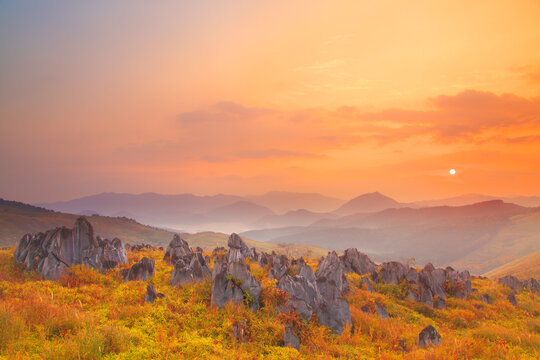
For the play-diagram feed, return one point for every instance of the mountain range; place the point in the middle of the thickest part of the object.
(477, 232)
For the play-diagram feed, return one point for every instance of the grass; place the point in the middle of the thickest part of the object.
(523, 268)
(88, 315)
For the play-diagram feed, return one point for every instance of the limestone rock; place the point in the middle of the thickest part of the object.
(142, 271)
(52, 252)
(429, 336)
(152, 294)
(356, 262)
(178, 248)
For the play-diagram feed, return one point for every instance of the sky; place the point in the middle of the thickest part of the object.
(245, 97)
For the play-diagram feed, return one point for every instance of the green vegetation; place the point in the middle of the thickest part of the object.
(87, 315)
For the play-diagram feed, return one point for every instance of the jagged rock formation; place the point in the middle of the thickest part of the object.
(152, 294)
(320, 293)
(428, 336)
(516, 285)
(178, 248)
(354, 261)
(141, 271)
(512, 298)
(192, 268)
(189, 266)
(486, 298)
(52, 252)
(280, 265)
(231, 278)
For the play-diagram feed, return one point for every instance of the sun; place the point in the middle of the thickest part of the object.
(452, 171)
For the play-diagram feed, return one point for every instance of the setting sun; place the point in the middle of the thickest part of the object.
(452, 171)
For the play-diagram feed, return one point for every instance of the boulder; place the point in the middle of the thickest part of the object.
(531, 285)
(280, 265)
(52, 252)
(190, 269)
(511, 281)
(290, 338)
(335, 314)
(141, 271)
(152, 294)
(429, 336)
(392, 272)
(232, 280)
(331, 279)
(263, 259)
(439, 303)
(178, 248)
(304, 297)
(356, 262)
(307, 271)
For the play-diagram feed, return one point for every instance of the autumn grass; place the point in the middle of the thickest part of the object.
(87, 315)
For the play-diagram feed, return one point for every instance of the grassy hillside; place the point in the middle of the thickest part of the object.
(96, 316)
(17, 219)
(523, 268)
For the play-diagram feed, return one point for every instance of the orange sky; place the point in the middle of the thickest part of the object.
(244, 97)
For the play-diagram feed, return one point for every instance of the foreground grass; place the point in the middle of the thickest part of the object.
(97, 316)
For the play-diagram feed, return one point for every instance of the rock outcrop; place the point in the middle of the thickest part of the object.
(190, 269)
(429, 336)
(152, 294)
(141, 271)
(356, 262)
(280, 265)
(231, 278)
(52, 252)
(178, 248)
(516, 285)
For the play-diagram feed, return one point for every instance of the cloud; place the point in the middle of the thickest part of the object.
(227, 131)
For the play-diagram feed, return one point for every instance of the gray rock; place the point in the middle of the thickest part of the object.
(280, 265)
(429, 336)
(307, 271)
(335, 314)
(51, 253)
(512, 298)
(141, 271)
(178, 248)
(354, 261)
(393, 272)
(232, 280)
(263, 259)
(152, 294)
(290, 338)
(531, 285)
(303, 297)
(412, 276)
(190, 270)
(331, 279)
(510, 281)
(439, 303)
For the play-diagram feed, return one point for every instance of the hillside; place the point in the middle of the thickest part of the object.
(478, 237)
(523, 268)
(92, 316)
(17, 219)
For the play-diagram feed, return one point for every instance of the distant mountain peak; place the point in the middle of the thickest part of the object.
(369, 202)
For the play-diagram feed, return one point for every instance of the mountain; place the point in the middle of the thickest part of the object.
(523, 268)
(283, 201)
(478, 237)
(240, 211)
(528, 201)
(299, 217)
(367, 203)
(17, 219)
